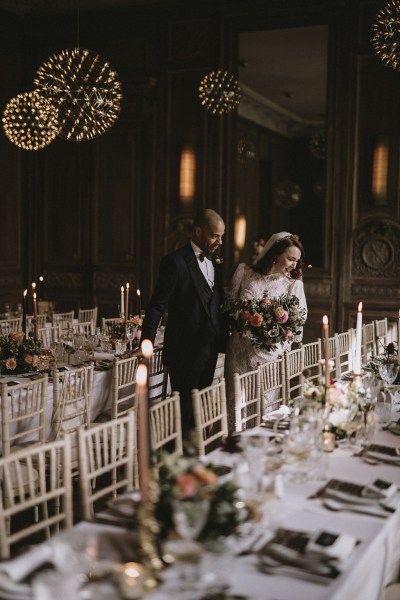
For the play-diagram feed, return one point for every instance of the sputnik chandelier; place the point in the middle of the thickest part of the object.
(85, 91)
(219, 92)
(30, 122)
(386, 34)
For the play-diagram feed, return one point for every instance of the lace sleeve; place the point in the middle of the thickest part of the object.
(235, 286)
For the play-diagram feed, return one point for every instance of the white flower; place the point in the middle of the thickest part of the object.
(339, 416)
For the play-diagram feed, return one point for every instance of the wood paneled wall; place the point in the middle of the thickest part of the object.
(90, 216)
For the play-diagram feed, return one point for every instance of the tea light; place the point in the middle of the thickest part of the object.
(328, 441)
(132, 581)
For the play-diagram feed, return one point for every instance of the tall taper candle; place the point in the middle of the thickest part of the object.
(24, 312)
(139, 302)
(40, 288)
(357, 362)
(143, 431)
(35, 328)
(127, 302)
(122, 311)
(33, 291)
(326, 350)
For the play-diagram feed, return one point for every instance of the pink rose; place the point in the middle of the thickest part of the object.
(288, 334)
(256, 320)
(266, 301)
(187, 485)
(11, 364)
(17, 336)
(281, 315)
(246, 315)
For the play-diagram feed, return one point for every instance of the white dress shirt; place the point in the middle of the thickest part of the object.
(206, 265)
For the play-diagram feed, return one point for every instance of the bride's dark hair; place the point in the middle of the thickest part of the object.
(265, 263)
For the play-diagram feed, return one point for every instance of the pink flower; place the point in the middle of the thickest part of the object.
(138, 334)
(187, 485)
(257, 320)
(246, 315)
(288, 334)
(281, 315)
(11, 364)
(266, 301)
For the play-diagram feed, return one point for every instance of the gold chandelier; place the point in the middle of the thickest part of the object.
(219, 92)
(85, 91)
(386, 34)
(30, 122)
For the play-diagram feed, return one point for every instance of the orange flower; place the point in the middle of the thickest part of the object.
(266, 301)
(136, 320)
(246, 315)
(17, 336)
(35, 360)
(257, 320)
(29, 359)
(205, 476)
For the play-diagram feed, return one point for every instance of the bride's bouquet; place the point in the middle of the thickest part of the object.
(267, 322)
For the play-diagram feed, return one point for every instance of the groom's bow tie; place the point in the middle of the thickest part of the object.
(203, 255)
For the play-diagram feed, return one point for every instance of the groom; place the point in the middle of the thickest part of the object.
(190, 287)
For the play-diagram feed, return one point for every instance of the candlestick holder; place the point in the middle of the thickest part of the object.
(148, 535)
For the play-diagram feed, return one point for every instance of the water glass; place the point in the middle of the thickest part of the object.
(388, 372)
(383, 407)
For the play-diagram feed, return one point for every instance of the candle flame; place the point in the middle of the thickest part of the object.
(33, 285)
(360, 307)
(132, 570)
(138, 292)
(127, 286)
(122, 288)
(41, 278)
(325, 320)
(34, 295)
(26, 291)
(147, 348)
(141, 375)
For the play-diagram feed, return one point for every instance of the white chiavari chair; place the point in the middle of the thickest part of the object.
(49, 335)
(293, 362)
(381, 335)
(247, 399)
(10, 325)
(158, 376)
(123, 389)
(41, 322)
(344, 351)
(88, 314)
(71, 404)
(368, 342)
(312, 356)
(85, 328)
(165, 425)
(107, 462)
(65, 319)
(106, 324)
(333, 355)
(272, 385)
(46, 490)
(210, 416)
(23, 413)
(219, 367)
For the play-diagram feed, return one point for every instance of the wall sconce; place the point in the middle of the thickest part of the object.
(240, 232)
(380, 166)
(187, 175)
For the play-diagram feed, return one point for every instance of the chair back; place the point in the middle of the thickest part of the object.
(210, 416)
(105, 324)
(65, 319)
(344, 351)
(158, 376)
(41, 322)
(368, 345)
(107, 462)
(247, 400)
(84, 327)
(35, 479)
(312, 356)
(272, 385)
(381, 335)
(293, 366)
(71, 401)
(10, 325)
(23, 413)
(165, 425)
(123, 395)
(88, 314)
(49, 335)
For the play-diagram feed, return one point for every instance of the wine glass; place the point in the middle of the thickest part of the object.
(130, 334)
(388, 372)
(352, 422)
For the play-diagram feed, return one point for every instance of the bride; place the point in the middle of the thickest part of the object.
(277, 269)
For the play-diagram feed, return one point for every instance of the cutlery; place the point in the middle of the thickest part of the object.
(375, 511)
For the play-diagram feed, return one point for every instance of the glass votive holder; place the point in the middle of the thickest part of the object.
(328, 441)
(132, 581)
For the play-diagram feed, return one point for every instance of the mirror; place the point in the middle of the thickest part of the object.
(281, 135)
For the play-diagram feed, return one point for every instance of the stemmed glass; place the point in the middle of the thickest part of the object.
(130, 334)
(388, 372)
(352, 422)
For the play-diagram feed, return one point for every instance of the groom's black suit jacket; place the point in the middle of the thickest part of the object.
(195, 331)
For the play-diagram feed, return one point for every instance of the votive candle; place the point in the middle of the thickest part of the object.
(132, 580)
(326, 349)
(357, 362)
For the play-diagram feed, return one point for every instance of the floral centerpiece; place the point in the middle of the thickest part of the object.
(389, 356)
(185, 478)
(269, 321)
(118, 328)
(19, 354)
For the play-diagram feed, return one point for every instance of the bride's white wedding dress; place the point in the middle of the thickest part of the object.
(241, 355)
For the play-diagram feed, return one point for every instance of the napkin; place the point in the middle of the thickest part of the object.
(383, 453)
(17, 569)
(282, 412)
